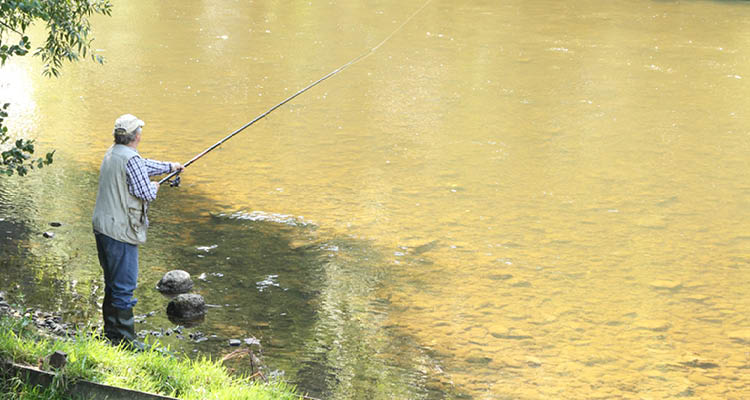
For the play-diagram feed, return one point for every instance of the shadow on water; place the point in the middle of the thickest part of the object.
(311, 301)
(32, 265)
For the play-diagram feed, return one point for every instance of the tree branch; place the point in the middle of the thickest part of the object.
(11, 28)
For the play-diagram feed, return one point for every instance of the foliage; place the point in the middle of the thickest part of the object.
(67, 27)
(68, 39)
(16, 159)
(92, 358)
(14, 388)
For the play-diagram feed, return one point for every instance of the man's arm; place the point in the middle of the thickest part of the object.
(161, 167)
(137, 176)
(154, 167)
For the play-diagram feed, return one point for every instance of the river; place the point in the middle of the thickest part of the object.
(506, 200)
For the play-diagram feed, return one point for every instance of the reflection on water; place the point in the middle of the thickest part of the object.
(527, 199)
(310, 302)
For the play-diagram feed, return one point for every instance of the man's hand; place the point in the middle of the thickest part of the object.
(177, 167)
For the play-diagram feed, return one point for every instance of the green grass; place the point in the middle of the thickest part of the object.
(15, 389)
(93, 359)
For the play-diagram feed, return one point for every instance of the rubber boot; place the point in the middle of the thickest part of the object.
(119, 325)
(126, 328)
(109, 315)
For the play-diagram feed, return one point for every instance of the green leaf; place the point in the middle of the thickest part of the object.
(67, 26)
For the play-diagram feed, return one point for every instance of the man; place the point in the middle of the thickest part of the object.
(120, 223)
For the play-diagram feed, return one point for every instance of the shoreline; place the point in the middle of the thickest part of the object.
(28, 337)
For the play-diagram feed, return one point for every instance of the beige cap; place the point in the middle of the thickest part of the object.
(129, 123)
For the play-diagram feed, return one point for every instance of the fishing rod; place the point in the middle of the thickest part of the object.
(176, 181)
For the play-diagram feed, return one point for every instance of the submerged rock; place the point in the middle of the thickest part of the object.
(48, 235)
(741, 336)
(187, 307)
(175, 281)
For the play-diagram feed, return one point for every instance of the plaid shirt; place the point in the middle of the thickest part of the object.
(138, 170)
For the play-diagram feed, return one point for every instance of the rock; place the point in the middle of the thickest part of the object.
(48, 235)
(234, 342)
(58, 359)
(251, 341)
(197, 336)
(55, 224)
(175, 281)
(187, 307)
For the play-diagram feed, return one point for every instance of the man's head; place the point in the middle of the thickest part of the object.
(127, 129)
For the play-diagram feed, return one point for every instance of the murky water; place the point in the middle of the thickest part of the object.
(521, 199)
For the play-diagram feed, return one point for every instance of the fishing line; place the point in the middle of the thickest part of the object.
(176, 181)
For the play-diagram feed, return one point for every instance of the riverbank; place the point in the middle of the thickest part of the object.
(91, 358)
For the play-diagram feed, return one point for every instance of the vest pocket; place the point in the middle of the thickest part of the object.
(136, 218)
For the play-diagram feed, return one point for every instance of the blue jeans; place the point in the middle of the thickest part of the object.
(119, 261)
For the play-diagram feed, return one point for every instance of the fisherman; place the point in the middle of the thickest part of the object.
(120, 224)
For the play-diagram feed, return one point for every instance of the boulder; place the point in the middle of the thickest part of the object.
(187, 307)
(58, 359)
(175, 281)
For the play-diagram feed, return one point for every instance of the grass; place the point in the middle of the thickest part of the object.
(92, 358)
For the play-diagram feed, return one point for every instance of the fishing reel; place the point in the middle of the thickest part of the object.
(174, 182)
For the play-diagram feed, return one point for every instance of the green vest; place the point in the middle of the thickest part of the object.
(118, 214)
